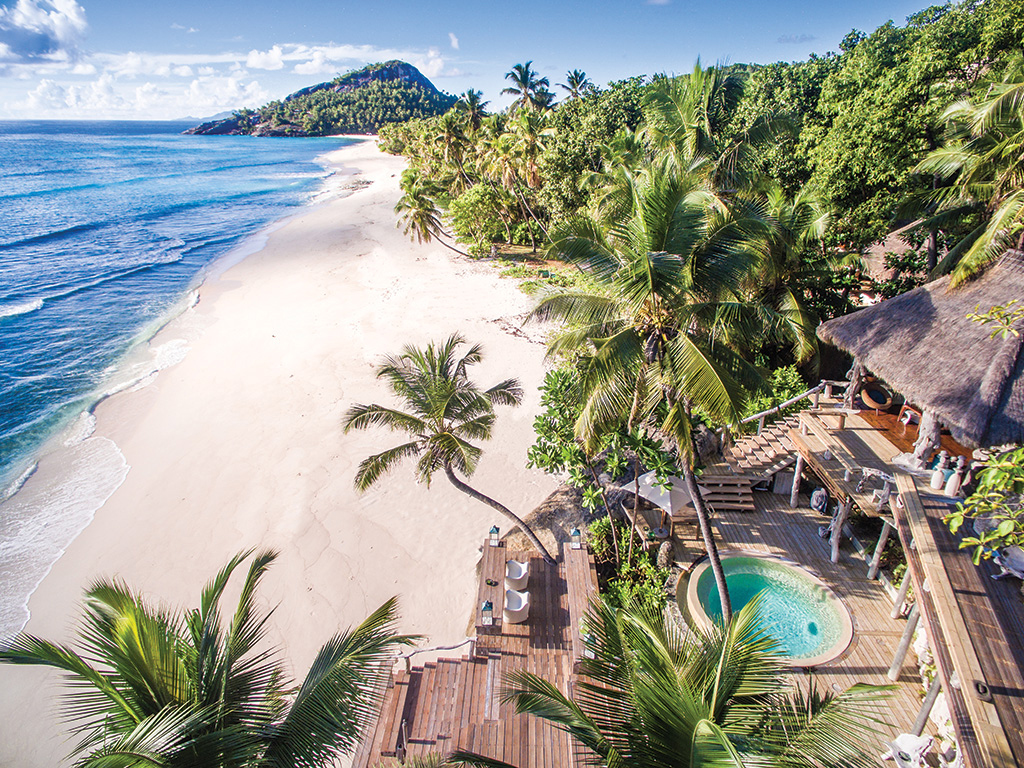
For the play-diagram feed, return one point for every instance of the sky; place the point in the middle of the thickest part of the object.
(139, 59)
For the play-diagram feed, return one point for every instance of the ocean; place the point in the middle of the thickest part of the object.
(107, 229)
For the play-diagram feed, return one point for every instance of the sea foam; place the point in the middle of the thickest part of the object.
(42, 520)
(10, 310)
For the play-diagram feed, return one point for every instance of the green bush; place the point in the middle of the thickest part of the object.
(642, 582)
(476, 215)
(784, 383)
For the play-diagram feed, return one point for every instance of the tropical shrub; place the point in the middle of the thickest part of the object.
(999, 501)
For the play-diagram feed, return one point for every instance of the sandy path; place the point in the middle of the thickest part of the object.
(239, 446)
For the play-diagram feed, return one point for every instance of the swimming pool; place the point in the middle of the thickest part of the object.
(810, 623)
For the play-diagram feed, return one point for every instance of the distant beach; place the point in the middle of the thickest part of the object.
(238, 444)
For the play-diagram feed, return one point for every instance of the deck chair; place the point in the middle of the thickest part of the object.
(517, 574)
(517, 606)
(908, 750)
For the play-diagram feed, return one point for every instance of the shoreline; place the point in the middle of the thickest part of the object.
(65, 471)
(239, 444)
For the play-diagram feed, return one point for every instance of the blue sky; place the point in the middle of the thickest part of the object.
(136, 59)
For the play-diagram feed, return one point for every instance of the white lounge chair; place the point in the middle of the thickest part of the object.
(517, 575)
(1011, 562)
(517, 606)
(908, 750)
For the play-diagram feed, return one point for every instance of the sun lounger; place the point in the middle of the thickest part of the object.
(517, 575)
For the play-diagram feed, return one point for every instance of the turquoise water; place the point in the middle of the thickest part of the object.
(106, 231)
(106, 228)
(795, 611)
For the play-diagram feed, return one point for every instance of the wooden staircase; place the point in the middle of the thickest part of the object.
(729, 482)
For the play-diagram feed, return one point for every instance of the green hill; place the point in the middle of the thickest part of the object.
(356, 102)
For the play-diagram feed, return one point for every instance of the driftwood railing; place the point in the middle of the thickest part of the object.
(825, 386)
(408, 656)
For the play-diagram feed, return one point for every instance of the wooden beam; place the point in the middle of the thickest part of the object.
(956, 635)
(876, 559)
(794, 495)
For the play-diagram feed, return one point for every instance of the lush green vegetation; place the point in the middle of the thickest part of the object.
(153, 687)
(998, 501)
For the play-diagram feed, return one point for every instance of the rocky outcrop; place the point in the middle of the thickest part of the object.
(229, 126)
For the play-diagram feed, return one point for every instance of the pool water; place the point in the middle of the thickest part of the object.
(796, 611)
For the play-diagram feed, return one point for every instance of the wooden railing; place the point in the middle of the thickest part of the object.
(814, 393)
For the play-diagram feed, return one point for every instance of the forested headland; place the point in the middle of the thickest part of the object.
(360, 101)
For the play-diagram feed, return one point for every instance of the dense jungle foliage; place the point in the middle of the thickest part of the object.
(357, 102)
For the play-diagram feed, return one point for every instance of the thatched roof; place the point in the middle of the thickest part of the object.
(923, 345)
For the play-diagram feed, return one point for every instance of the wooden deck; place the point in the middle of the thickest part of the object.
(455, 704)
(975, 627)
(793, 533)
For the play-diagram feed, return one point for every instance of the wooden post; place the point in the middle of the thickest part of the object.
(837, 527)
(901, 596)
(908, 637)
(816, 399)
(828, 391)
(794, 495)
(926, 706)
(760, 425)
(876, 559)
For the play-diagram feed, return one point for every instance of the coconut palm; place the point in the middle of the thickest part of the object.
(154, 688)
(527, 87)
(419, 213)
(654, 336)
(446, 411)
(652, 695)
(983, 165)
(796, 226)
(576, 83)
(472, 105)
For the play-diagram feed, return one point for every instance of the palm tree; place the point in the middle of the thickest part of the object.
(983, 164)
(446, 411)
(796, 227)
(419, 212)
(576, 83)
(652, 695)
(669, 270)
(686, 115)
(529, 89)
(155, 688)
(472, 105)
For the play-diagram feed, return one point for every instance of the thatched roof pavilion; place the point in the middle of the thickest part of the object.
(924, 346)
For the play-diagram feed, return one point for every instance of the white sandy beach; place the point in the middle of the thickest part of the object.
(240, 445)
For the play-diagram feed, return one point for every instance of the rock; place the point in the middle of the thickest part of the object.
(709, 444)
(229, 126)
(285, 129)
(666, 555)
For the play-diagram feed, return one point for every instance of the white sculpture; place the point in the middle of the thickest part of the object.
(517, 606)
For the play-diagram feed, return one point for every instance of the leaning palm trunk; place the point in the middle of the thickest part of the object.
(709, 542)
(516, 520)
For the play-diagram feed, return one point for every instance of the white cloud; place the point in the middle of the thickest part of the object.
(183, 28)
(454, 40)
(108, 97)
(42, 30)
(272, 59)
(183, 71)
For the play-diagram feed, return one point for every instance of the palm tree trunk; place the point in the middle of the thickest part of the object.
(636, 508)
(608, 509)
(472, 492)
(453, 248)
(709, 542)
